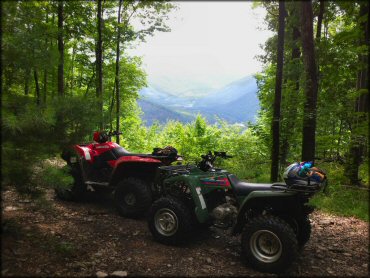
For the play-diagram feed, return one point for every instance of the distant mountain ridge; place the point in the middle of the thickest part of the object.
(236, 102)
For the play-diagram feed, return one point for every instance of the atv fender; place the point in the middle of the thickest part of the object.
(142, 168)
(277, 200)
(200, 207)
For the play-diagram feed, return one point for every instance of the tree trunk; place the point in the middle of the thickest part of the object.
(319, 19)
(111, 106)
(358, 139)
(99, 64)
(61, 50)
(291, 113)
(118, 71)
(89, 83)
(37, 87)
(318, 37)
(277, 100)
(45, 86)
(27, 81)
(308, 50)
(72, 70)
(45, 70)
(52, 68)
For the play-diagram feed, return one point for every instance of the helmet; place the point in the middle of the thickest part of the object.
(303, 172)
(100, 137)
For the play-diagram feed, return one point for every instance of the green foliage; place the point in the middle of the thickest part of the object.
(198, 137)
(37, 124)
(33, 132)
(344, 201)
(338, 51)
(54, 177)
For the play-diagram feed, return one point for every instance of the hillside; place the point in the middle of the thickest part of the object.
(153, 112)
(237, 102)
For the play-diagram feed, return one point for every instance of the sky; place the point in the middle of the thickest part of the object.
(210, 43)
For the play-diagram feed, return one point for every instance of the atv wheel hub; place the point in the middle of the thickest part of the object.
(166, 222)
(265, 246)
(130, 199)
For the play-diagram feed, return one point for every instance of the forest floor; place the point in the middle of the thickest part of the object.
(57, 238)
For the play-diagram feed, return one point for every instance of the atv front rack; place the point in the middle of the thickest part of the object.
(175, 170)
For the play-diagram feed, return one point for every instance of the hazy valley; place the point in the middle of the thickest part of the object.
(236, 102)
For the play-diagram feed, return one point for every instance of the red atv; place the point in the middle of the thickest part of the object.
(105, 166)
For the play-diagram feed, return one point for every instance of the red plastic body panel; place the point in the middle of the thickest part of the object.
(133, 158)
(89, 152)
(217, 181)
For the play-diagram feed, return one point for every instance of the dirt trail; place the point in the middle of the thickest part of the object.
(80, 239)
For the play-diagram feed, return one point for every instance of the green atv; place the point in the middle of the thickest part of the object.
(272, 218)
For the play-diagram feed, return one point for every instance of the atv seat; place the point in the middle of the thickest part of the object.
(244, 188)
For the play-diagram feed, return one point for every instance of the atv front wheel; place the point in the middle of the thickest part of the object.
(132, 197)
(170, 221)
(269, 244)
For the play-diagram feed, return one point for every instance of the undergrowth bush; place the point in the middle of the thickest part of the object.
(56, 177)
(341, 199)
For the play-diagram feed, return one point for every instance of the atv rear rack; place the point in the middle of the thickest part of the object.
(307, 189)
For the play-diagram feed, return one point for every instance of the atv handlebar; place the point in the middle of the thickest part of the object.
(113, 133)
(208, 159)
(223, 155)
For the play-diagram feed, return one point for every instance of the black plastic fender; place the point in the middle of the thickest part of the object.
(279, 201)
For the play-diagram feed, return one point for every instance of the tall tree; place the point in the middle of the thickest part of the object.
(288, 130)
(308, 51)
(60, 49)
(277, 101)
(99, 64)
(117, 79)
(361, 108)
(319, 19)
(45, 70)
(37, 87)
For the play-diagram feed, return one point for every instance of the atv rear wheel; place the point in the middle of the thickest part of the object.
(269, 244)
(132, 197)
(304, 231)
(170, 221)
(76, 192)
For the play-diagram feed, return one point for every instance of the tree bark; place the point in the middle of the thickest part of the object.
(99, 64)
(53, 85)
(37, 87)
(291, 115)
(60, 49)
(45, 70)
(72, 70)
(358, 139)
(118, 71)
(319, 19)
(277, 101)
(308, 50)
(45, 88)
(27, 81)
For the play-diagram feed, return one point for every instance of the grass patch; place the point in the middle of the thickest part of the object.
(341, 200)
(344, 201)
(64, 248)
(56, 245)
